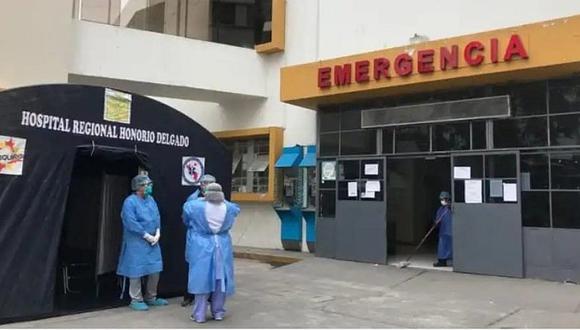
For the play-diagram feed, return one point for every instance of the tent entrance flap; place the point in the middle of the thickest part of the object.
(92, 229)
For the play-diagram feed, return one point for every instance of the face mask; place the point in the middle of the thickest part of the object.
(149, 190)
(443, 203)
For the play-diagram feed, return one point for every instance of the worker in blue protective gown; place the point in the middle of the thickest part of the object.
(210, 251)
(444, 219)
(140, 252)
(205, 180)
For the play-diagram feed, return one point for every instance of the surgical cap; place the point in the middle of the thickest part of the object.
(213, 193)
(444, 195)
(207, 179)
(140, 181)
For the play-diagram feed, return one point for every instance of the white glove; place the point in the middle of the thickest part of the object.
(156, 237)
(149, 238)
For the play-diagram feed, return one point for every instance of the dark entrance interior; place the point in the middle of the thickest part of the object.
(413, 187)
(92, 230)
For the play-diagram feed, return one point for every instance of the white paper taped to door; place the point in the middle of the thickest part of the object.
(352, 189)
(473, 191)
(462, 172)
(510, 192)
(371, 169)
(368, 194)
(373, 186)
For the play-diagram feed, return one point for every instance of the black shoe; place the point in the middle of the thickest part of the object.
(187, 301)
(440, 263)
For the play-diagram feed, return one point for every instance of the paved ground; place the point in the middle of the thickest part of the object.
(335, 294)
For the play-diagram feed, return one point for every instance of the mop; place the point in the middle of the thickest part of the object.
(406, 263)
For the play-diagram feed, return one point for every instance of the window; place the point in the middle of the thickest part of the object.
(412, 139)
(565, 209)
(243, 23)
(254, 154)
(550, 189)
(499, 178)
(565, 171)
(500, 166)
(348, 170)
(360, 180)
(329, 144)
(99, 11)
(451, 137)
(327, 189)
(250, 166)
(512, 133)
(327, 174)
(345, 189)
(327, 204)
(388, 141)
(329, 121)
(478, 135)
(263, 18)
(565, 130)
(350, 119)
(534, 172)
(527, 100)
(475, 163)
(235, 22)
(361, 142)
(536, 208)
(565, 96)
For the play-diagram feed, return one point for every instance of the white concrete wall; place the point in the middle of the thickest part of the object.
(34, 42)
(354, 26)
(257, 226)
(207, 114)
(192, 66)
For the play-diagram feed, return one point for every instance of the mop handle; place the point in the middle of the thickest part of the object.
(427, 235)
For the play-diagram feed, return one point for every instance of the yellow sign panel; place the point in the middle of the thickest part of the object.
(551, 50)
(117, 106)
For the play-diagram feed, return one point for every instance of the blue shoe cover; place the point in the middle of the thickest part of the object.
(157, 302)
(138, 306)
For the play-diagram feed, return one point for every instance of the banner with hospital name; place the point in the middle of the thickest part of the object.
(12, 151)
(87, 128)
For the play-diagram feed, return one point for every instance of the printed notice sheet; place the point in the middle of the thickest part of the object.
(473, 191)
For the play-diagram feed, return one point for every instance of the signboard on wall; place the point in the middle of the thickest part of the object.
(422, 61)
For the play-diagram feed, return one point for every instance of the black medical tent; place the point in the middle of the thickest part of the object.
(67, 154)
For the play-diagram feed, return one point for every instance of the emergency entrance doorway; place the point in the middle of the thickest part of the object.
(413, 188)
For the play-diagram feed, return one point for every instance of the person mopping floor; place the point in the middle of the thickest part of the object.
(444, 219)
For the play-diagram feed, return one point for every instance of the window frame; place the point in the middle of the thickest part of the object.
(275, 137)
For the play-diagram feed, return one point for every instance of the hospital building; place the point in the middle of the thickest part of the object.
(345, 119)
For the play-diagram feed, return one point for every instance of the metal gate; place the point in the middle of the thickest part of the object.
(487, 223)
(361, 230)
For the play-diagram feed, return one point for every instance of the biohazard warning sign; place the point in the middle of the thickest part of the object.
(11, 155)
(193, 168)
